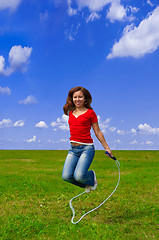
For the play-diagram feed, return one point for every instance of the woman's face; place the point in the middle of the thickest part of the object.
(78, 99)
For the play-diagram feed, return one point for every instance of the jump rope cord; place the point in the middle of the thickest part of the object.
(73, 211)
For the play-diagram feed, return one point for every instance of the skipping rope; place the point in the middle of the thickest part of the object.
(70, 203)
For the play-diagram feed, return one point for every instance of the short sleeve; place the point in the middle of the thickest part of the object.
(93, 117)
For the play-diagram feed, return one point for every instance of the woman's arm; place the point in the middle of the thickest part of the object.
(101, 137)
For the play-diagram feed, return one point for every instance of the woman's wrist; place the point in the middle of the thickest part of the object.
(107, 149)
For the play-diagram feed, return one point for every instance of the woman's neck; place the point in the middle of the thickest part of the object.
(81, 109)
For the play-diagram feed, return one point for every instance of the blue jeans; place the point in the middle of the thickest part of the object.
(76, 166)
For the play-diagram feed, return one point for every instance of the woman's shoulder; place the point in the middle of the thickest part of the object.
(91, 113)
(69, 112)
(91, 110)
(93, 116)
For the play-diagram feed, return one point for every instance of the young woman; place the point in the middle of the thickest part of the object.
(81, 118)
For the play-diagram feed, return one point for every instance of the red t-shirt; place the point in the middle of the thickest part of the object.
(80, 126)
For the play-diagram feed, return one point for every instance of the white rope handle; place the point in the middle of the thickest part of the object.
(73, 211)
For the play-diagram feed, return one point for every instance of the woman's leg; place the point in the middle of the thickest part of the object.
(81, 173)
(69, 167)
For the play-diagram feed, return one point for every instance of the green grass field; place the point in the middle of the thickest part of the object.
(34, 202)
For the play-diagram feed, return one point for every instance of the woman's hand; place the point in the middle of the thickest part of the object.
(109, 151)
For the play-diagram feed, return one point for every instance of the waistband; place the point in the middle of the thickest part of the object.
(81, 146)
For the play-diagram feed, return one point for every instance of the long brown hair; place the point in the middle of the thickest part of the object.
(69, 102)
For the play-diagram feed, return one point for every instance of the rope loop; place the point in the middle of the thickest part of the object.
(70, 203)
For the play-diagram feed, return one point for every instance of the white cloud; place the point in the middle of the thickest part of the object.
(53, 124)
(133, 131)
(116, 12)
(93, 16)
(120, 132)
(5, 90)
(41, 124)
(117, 141)
(130, 13)
(104, 125)
(18, 60)
(2, 64)
(112, 129)
(19, 123)
(11, 4)
(60, 123)
(62, 140)
(147, 129)
(44, 16)
(71, 11)
(150, 3)
(93, 5)
(5, 123)
(72, 32)
(31, 140)
(29, 100)
(59, 141)
(132, 9)
(148, 142)
(140, 40)
(63, 119)
(63, 127)
(133, 142)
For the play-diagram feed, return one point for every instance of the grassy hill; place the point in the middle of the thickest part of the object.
(34, 202)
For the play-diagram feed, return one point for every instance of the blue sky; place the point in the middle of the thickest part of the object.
(110, 47)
